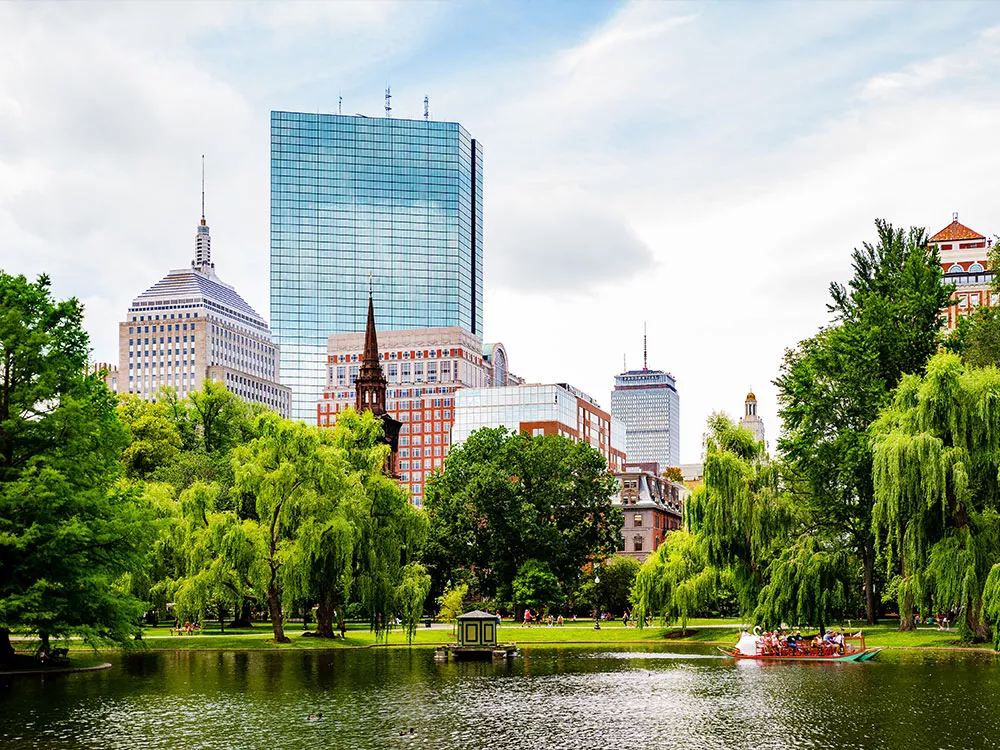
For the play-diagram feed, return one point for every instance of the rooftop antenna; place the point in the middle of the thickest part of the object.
(340, 104)
(427, 107)
(203, 189)
(954, 216)
(624, 364)
(388, 107)
(644, 345)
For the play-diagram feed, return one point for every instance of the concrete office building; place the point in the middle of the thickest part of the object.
(646, 401)
(191, 326)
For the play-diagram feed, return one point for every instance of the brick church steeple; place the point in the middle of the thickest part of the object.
(370, 389)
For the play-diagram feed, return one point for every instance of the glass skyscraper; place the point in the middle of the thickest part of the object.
(648, 403)
(362, 202)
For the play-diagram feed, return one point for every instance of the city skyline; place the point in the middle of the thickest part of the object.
(659, 154)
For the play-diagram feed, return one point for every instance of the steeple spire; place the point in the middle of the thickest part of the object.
(370, 385)
(203, 240)
(369, 390)
(371, 339)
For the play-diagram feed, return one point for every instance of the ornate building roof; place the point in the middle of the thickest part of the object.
(956, 231)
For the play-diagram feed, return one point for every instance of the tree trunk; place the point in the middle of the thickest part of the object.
(222, 620)
(868, 558)
(242, 613)
(324, 617)
(274, 605)
(6, 647)
(906, 622)
(45, 643)
(980, 630)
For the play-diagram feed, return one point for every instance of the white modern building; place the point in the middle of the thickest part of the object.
(551, 409)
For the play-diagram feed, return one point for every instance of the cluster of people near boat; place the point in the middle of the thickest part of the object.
(780, 643)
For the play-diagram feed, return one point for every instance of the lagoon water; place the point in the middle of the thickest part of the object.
(567, 697)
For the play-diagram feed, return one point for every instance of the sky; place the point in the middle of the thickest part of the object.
(703, 169)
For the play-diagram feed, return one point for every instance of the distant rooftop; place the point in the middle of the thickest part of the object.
(188, 287)
(956, 231)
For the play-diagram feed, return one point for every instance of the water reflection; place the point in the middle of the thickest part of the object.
(548, 697)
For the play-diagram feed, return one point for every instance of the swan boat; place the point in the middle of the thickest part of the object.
(753, 647)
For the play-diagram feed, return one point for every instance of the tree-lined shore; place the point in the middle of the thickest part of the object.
(881, 499)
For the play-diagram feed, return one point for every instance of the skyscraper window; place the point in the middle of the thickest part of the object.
(361, 203)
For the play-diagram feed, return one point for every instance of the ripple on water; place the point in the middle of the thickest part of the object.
(548, 697)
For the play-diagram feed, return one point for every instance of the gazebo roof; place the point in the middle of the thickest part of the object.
(477, 614)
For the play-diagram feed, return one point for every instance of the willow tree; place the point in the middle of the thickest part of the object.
(739, 515)
(223, 556)
(807, 584)
(833, 385)
(389, 531)
(937, 508)
(675, 582)
(290, 470)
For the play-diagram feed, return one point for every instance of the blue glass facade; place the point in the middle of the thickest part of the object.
(397, 204)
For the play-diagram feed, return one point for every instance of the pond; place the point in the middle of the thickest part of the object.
(568, 697)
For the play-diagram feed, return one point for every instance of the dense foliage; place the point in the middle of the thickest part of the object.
(69, 528)
(858, 477)
(505, 499)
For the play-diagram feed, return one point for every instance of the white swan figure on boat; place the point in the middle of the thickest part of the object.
(747, 644)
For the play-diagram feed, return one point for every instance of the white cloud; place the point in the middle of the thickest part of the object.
(705, 168)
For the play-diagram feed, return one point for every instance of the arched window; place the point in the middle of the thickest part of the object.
(976, 268)
(955, 268)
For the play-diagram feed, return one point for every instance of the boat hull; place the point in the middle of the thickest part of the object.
(857, 656)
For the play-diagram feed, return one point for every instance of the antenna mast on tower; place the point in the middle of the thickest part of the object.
(340, 104)
(644, 345)
(388, 107)
(427, 108)
(203, 188)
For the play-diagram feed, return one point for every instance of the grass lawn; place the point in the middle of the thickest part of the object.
(358, 636)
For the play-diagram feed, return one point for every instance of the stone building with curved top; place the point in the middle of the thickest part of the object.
(189, 327)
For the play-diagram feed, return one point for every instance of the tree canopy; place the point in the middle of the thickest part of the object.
(833, 385)
(69, 530)
(505, 498)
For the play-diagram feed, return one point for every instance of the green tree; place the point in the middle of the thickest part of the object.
(806, 585)
(977, 337)
(68, 531)
(675, 582)
(937, 512)
(223, 556)
(535, 586)
(739, 514)
(153, 437)
(451, 604)
(506, 498)
(617, 577)
(390, 532)
(833, 385)
(287, 469)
